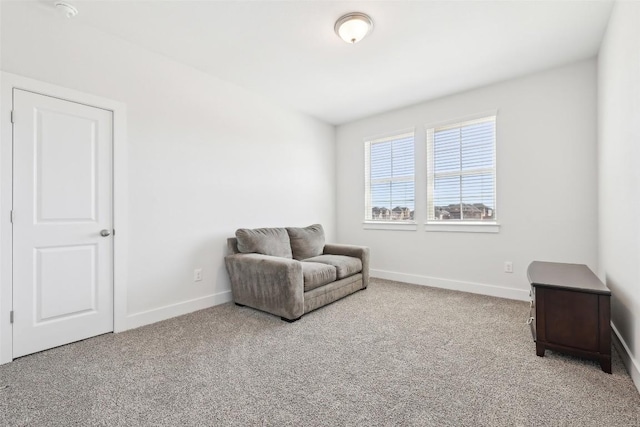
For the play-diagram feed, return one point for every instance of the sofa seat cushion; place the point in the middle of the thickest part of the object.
(345, 265)
(316, 274)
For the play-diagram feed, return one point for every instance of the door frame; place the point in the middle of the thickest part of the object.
(8, 82)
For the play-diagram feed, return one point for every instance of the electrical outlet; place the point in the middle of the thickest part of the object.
(197, 275)
(508, 267)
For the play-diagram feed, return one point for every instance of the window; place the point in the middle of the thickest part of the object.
(461, 172)
(390, 178)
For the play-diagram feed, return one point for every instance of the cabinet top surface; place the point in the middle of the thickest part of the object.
(567, 276)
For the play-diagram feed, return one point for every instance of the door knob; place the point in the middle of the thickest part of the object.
(105, 233)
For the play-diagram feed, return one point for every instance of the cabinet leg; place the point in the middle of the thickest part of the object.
(605, 364)
(539, 350)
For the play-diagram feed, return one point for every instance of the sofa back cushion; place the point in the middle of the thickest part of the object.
(265, 241)
(306, 242)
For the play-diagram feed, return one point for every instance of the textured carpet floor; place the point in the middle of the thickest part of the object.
(394, 354)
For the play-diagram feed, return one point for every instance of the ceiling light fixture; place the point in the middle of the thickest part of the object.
(68, 9)
(353, 27)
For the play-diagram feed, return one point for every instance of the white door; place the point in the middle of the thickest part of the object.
(62, 213)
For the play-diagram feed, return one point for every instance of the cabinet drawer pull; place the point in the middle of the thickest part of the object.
(530, 320)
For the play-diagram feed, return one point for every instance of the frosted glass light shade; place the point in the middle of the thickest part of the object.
(353, 27)
(67, 8)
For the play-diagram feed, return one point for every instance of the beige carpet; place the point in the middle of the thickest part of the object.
(394, 354)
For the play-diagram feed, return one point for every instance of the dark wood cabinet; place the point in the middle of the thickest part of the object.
(570, 311)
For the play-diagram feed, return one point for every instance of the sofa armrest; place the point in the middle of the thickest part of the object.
(268, 283)
(361, 252)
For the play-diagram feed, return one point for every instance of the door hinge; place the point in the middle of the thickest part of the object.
(12, 119)
(11, 316)
(11, 216)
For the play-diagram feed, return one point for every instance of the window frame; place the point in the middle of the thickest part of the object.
(387, 224)
(459, 225)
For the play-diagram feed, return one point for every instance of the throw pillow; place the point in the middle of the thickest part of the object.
(306, 242)
(266, 241)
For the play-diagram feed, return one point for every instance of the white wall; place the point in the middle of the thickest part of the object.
(205, 157)
(619, 173)
(546, 185)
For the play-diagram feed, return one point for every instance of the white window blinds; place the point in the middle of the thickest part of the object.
(390, 178)
(461, 171)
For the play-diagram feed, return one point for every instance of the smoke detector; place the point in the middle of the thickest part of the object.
(68, 9)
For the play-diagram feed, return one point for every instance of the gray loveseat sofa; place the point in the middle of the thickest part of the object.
(291, 271)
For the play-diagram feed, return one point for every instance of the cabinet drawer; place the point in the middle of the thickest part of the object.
(532, 318)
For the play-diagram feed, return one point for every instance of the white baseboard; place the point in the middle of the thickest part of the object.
(456, 285)
(162, 313)
(632, 365)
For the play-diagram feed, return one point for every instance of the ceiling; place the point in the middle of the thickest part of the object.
(418, 50)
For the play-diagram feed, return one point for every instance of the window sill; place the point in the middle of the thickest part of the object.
(390, 225)
(463, 227)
